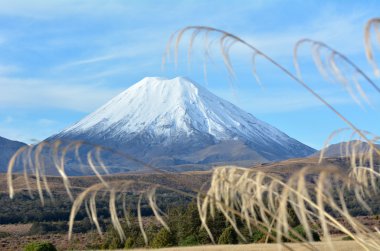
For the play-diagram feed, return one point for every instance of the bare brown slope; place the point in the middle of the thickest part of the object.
(191, 180)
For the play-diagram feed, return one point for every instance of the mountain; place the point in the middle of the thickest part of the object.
(7, 149)
(176, 122)
(344, 149)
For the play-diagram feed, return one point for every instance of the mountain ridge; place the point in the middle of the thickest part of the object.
(344, 149)
(7, 149)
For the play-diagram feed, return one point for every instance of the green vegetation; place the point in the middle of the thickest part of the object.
(258, 237)
(228, 236)
(347, 238)
(182, 219)
(4, 234)
(129, 242)
(24, 209)
(82, 226)
(162, 239)
(40, 246)
(185, 230)
(190, 240)
(300, 230)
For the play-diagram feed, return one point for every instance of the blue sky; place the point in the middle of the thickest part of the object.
(60, 60)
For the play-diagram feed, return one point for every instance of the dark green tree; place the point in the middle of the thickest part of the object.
(163, 238)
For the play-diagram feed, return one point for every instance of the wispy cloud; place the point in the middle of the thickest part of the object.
(29, 93)
(114, 52)
(331, 26)
(281, 100)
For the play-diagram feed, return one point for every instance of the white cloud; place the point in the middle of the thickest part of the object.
(114, 52)
(281, 100)
(331, 26)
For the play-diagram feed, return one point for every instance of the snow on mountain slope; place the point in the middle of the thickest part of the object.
(174, 117)
(171, 106)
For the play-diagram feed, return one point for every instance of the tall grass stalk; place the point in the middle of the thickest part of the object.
(260, 199)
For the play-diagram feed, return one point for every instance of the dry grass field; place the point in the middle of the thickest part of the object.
(80, 240)
(16, 229)
(177, 180)
(19, 236)
(339, 245)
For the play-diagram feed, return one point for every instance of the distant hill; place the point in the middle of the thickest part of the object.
(7, 149)
(344, 149)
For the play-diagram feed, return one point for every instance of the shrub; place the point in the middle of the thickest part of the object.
(4, 234)
(190, 240)
(39, 228)
(115, 243)
(347, 238)
(112, 240)
(129, 243)
(292, 217)
(59, 227)
(203, 237)
(301, 231)
(185, 222)
(228, 236)
(162, 239)
(258, 236)
(93, 241)
(40, 246)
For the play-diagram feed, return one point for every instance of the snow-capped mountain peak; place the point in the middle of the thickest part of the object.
(170, 106)
(180, 120)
